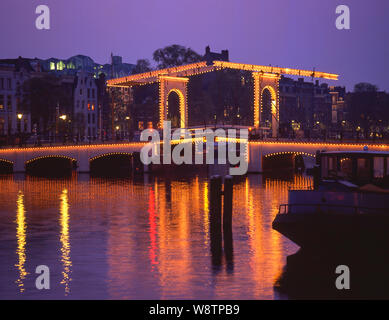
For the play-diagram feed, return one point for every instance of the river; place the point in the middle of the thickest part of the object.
(146, 238)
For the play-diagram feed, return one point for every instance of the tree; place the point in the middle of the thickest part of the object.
(175, 55)
(41, 96)
(365, 87)
(363, 107)
(142, 65)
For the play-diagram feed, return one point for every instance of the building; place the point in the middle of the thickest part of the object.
(14, 118)
(214, 56)
(72, 65)
(86, 113)
(305, 107)
(338, 108)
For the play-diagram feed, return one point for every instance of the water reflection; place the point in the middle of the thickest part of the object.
(65, 244)
(147, 239)
(21, 241)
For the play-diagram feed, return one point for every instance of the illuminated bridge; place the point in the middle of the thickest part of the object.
(82, 156)
(175, 80)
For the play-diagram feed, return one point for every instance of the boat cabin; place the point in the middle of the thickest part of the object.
(357, 167)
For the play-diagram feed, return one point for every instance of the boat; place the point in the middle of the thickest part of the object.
(346, 210)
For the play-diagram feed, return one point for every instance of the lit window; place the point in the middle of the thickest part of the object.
(60, 65)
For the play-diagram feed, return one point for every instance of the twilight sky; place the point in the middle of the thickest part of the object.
(287, 33)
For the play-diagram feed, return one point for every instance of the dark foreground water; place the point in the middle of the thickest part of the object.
(144, 239)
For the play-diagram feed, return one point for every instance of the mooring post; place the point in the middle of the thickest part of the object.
(215, 220)
(227, 215)
(216, 200)
(227, 221)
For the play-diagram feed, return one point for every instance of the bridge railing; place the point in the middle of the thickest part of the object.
(72, 142)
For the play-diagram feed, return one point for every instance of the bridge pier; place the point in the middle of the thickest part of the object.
(83, 165)
(255, 159)
(19, 165)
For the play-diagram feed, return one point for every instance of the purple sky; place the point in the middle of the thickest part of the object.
(288, 33)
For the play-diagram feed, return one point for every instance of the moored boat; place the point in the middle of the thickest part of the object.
(346, 211)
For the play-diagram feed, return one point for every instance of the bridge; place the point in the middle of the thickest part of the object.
(175, 79)
(18, 159)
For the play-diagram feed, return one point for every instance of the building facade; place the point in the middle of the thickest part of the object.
(74, 64)
(86, 115)
(305, 107)
(14, 119)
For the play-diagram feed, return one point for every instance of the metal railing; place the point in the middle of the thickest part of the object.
(304, 188)
(320, 208)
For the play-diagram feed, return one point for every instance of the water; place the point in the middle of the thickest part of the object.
(143, 239)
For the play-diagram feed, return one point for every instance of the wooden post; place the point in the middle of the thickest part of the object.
(216, 200)
(316, 177)
(227, 215)
(215, 220)
(227, 221)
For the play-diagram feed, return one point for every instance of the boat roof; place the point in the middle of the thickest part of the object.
(368, 152)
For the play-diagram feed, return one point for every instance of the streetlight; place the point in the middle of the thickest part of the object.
(64, 127)
(20, 116)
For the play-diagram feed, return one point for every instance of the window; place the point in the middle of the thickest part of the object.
(93, 118)
(83, 104)
(387, 166)
(88, 93)
(78, 104)
(379, 167)
(363, 169)
(93, 93)
(1, 102)
(9, 103)
(2, 126)
(9, 83)
(1, 83)
(80, 92)
(346, 168)
(89, 107)
(88, 118)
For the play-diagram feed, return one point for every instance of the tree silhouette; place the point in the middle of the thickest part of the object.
(175, 55)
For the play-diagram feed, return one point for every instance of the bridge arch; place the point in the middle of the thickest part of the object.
(298, 160)
(266, 82)
(171, 114)
(51, 165)
(178, 85)
(6, 166)
(115, 164)
(272, 104)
